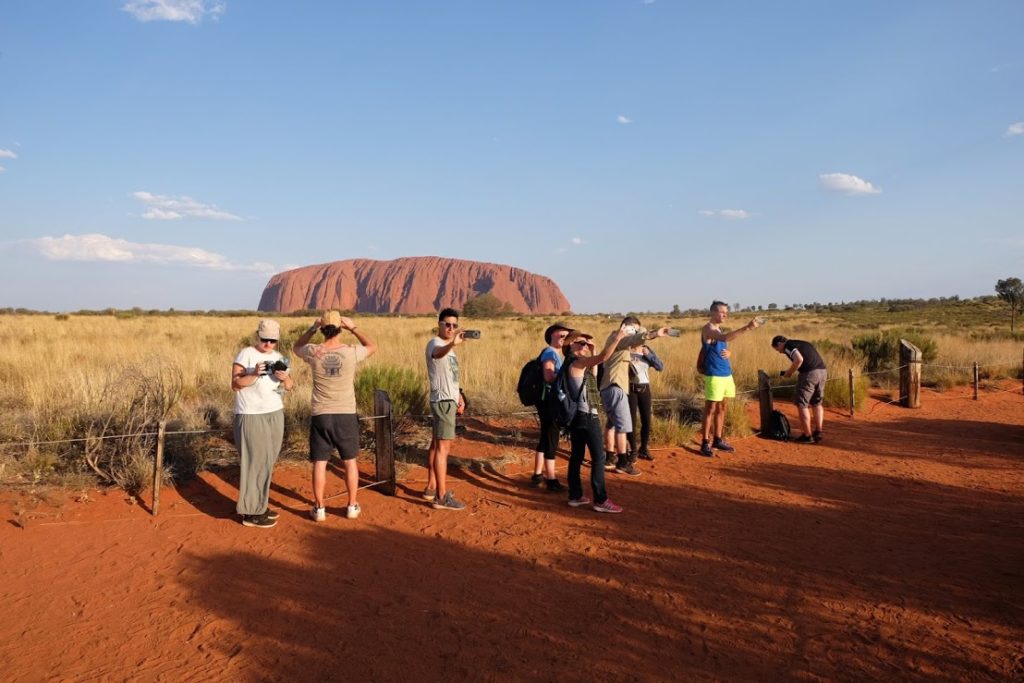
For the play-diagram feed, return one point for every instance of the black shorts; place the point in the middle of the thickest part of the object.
(336, 432)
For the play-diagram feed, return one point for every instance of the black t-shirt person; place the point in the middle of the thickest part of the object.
(812, 359)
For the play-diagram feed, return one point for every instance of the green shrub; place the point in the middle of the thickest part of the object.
(881, 351)
(406, 389)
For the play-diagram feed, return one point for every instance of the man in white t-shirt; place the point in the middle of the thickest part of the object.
(259, 376)
(445, 403)
(334, 425)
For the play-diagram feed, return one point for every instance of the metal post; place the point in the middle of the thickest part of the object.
(975, 380)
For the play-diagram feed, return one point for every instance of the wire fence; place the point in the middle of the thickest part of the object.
(532, 413)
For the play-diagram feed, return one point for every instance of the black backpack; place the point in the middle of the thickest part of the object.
(565, 404)
(778, 427)
(531, 383)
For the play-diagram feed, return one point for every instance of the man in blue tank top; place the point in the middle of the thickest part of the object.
(718, 381)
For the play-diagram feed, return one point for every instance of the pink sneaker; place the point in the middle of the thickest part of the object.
(579, 502)
(607, 506)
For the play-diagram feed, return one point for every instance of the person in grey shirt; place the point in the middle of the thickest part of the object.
(445, 403)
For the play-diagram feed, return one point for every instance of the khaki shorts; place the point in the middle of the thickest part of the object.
(443, 422)
(719, 388)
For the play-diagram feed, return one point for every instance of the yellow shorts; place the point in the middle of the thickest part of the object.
(719, 388)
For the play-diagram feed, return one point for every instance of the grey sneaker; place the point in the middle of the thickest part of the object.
(447, 503)
(318, 514)
(352, 511)
(429, 494)
(579, 502)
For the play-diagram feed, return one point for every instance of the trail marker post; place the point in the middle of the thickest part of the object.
(910, 375)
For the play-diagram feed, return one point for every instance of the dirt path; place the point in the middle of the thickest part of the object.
(894, 550)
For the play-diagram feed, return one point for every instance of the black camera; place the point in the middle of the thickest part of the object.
(471, 334)
(269, 368)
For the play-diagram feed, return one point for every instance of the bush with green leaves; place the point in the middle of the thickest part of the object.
(406, 389)
(881, 351)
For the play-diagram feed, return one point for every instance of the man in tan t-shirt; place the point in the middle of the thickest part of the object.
(334, 424)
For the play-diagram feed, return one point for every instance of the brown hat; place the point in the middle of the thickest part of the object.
(557, 327)
(331, 319)
(268, 329)
(573, 336)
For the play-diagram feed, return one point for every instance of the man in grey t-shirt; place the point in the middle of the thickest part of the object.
(445, 403)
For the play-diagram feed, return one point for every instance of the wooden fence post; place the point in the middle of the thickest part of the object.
(384, 435)
(764, 397)
(852, 401)
(158, 466)
(976, 380)
(910, 375)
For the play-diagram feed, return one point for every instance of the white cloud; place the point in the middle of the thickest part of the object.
(850, 184)
(96, 247)
(1016, 128)
(624, 120)
(728, 214)
(165, 208)
(577, 241)
(7, 154)
(191, 11)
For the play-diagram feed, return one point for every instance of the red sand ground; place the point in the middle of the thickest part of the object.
(893, 551)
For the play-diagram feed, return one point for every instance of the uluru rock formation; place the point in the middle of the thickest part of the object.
(418, 284)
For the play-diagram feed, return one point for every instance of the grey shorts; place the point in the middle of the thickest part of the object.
(810, 388)
(333, 432)
(616, 406)
(443, 418)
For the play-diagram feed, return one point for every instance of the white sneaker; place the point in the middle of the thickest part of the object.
(318, 514)
(352, 511)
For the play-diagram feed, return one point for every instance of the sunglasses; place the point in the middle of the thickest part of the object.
(267, 341)
(580, 341)
(451, 326)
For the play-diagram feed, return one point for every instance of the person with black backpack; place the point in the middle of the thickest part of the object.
(577, 382)
(550, 361)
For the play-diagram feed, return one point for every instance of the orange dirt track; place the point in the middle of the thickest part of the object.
(892, 551)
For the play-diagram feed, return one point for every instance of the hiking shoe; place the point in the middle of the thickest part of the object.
(705, 450)
(447, 503)
(271, 515)
(722, 445)
(536, 480)
(803, 438)
(609, 464)
(318, 514)
(258, 521)
(817, 436)
(554, 485)
(579, 502)
(607, 506)
(352, 511)
(644, 454)
(627, 468)
(429, 495)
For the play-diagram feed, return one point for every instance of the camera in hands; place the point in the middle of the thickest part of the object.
(471, 334)
(270, 367)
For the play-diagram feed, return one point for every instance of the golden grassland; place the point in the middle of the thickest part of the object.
(68, 377)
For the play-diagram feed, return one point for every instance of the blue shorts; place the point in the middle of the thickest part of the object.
(616, 407)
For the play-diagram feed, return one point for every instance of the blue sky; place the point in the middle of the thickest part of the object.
(176, 153)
